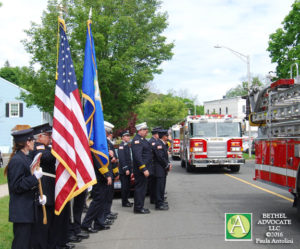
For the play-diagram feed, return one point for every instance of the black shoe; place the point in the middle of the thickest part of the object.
(162, 207)
(114, 214)
(89, 229)
(112, 217)
(108, 222)
(74, 238)
(102, 227)
(83, 235)
(128, 204)
(142, 211)
(67, 246)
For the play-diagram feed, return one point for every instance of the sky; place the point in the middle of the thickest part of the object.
(197, 69)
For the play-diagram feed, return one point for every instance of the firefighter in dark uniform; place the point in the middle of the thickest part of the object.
(100, 192)
(22, 186)
(125, 168)
(142, 160)
(53, 234)
(114, 169)
(161, 167)
(151, 179)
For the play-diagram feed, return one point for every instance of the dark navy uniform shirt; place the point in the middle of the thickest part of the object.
(22, 186)
(124, 154)
(142, 154)
(161, 158)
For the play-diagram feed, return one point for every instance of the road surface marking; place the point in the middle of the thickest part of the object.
(263, 189)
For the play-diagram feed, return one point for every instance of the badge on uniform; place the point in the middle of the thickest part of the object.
(136, 141)
(121, 148)
(40, 147)
(159, 147)
(153, 143)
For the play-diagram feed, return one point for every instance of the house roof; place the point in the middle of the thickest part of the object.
(12, 84)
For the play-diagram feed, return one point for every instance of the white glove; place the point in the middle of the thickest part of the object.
(43, 201)
(90, 188)
(38, 173)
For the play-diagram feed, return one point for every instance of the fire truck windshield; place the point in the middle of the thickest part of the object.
(217, 129)
(175, 134)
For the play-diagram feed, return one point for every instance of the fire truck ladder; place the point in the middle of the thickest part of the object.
(282, 114)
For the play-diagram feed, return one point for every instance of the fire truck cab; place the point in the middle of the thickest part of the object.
(210, 141)
(175, 147)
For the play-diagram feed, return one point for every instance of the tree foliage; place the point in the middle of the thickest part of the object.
(284, 44)
(165, 110)
(129, 49)
(242, 89)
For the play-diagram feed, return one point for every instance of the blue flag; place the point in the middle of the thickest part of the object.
(93, 112)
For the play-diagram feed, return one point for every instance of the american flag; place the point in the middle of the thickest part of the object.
(74, 168)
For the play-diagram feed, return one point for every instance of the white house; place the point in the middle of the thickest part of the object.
(235, 106)
(14, 112)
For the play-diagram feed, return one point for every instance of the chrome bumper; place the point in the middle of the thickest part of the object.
(222, 161)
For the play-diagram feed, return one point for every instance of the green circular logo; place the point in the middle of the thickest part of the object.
(238, 226)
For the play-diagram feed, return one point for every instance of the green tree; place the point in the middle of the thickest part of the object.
(242, 89)
(16, 75)
(129, 49)
(284, 44)
(164, 110)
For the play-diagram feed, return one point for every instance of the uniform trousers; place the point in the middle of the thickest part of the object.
(160, 190)
(140, 190)
(96, 208)
(78, 205)
(152, 188)
(58, 234)
(125, 188)
(40, 231)
(109, 199)
(22, 235)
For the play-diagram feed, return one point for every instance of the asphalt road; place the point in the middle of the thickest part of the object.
(198, 203)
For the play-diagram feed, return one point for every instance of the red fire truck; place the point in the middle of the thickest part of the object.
(175, 146)
(210, 141)
(276, 111)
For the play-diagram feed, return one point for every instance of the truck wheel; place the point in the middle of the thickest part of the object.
(182, 164)
(235, 168)
(174, 158)
(189, 168)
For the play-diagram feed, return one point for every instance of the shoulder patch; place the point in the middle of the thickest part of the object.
(136, 141)
(159, 147)
(121, 147)
(40, 147)
(153, 143)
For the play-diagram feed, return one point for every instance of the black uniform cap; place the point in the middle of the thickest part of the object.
(23, 135)
(41, 129)
(125, 133)
(155, 130)
(162, 133)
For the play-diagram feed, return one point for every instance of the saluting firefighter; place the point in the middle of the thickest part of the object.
(142, 162)
(161, 168)
(22, 186)
(151, 179)
(125, 168)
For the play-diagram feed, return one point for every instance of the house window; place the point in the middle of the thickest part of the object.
(226, 110)
(244, 109)
(220, 111)
(14, 110)
(207, 111)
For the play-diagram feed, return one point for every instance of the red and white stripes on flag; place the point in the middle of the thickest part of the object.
(74, 167)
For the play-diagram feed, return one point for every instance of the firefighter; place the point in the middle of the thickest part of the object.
(22, 186)
(125, 168)
(161, 167)
(142, 162)
(151, 179)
